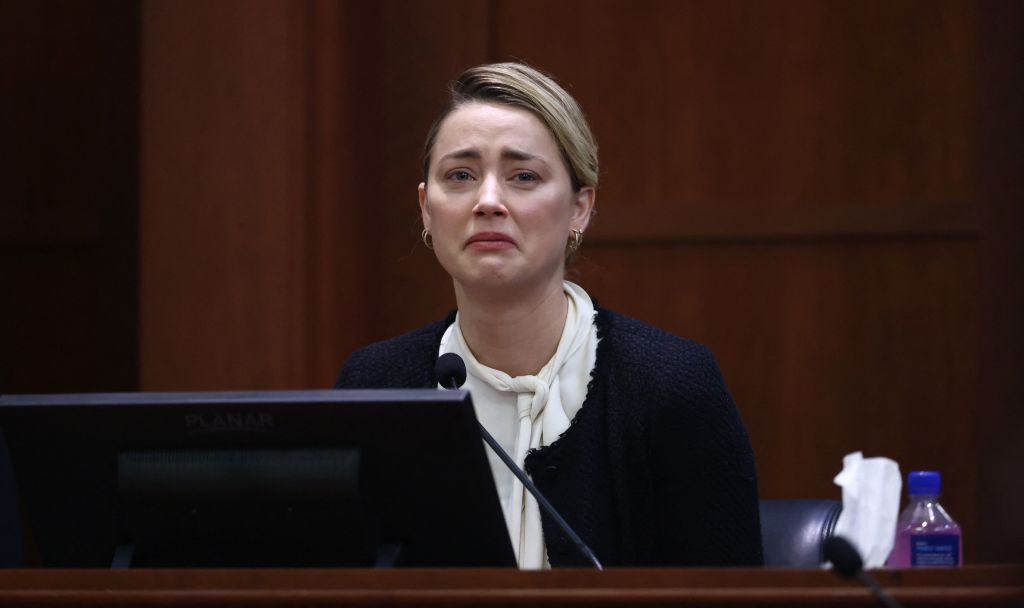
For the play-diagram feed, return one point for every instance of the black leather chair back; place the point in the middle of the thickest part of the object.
(794, 531)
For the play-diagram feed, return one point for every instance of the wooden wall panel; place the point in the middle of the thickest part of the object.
(330, 259)
(1000, 415)
(223, 193)
(763, 107)
(68, 192)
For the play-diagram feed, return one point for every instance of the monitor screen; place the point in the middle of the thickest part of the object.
(248, 479)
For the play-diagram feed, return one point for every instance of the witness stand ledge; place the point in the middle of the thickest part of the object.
(1001, 585)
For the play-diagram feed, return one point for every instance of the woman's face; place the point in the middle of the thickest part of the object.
(498, 201)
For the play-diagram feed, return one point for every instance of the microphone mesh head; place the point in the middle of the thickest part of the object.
(450, 370)
(844, 556)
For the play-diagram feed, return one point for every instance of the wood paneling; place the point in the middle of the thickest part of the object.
(1000, 412)
(764, 105)
(692, 223)
(68, 196)
(223, 194)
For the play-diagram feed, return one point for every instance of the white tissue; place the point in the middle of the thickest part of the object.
(871, 504)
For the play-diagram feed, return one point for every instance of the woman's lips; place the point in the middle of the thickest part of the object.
(490, 241)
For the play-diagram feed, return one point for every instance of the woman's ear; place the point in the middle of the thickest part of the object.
(421, 191)
(583, 208)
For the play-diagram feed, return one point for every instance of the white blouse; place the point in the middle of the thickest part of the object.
(528, 412)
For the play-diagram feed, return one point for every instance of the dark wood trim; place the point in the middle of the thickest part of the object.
(618, 224)
(977, 586)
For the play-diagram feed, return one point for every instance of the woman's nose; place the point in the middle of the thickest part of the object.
(490, 199)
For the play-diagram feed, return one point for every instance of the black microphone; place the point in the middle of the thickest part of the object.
(450, 370)
(848, 564)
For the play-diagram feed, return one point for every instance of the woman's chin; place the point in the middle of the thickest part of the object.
(497, 279)
(503, 279)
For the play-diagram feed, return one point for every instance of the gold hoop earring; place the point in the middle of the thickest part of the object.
(575, 240)
(427, 239)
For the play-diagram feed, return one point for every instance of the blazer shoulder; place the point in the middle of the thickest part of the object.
(648, 347)
(670, 371)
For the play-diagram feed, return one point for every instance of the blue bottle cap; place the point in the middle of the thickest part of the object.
(924, 483)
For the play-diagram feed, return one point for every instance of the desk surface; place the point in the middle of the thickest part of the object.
(972, 585)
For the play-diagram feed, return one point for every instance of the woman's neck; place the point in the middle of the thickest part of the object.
(517, 335)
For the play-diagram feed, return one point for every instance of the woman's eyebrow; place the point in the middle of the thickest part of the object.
(513, 154)
(506, 154)
(463, 153)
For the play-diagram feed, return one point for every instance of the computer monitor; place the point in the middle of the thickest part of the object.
(250, 479)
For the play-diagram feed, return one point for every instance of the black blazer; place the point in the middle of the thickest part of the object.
(656, 469)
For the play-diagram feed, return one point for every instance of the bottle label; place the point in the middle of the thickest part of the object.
(934, 550)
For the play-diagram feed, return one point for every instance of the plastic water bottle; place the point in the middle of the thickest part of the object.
(925, 534)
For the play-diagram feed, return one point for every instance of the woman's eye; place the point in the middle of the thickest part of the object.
(460, 176)
(524, 176)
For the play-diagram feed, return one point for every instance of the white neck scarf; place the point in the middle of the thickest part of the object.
(540, 414)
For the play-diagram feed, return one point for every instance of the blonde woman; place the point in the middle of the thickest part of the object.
(629, 431)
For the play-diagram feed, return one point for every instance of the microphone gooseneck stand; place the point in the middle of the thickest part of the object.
(451, 374)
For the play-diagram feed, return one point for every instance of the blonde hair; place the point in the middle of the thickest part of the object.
(519, 85)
